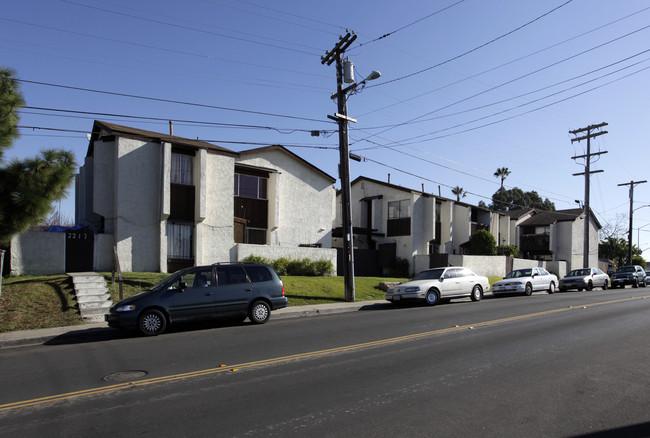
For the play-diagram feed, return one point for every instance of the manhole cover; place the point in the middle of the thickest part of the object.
(124, 376)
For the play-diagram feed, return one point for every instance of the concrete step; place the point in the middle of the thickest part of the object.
(92, 296)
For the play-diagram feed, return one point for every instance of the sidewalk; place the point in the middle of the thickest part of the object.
(101, 329)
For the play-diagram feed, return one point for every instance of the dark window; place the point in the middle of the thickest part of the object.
(258, 273)
(398, 227)
(231, 274)
(256, 236)
(249, 186)
(181, 206)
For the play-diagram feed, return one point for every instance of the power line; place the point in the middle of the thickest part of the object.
(472, 50)
(156, 99)
(180, 121)
(386, 35)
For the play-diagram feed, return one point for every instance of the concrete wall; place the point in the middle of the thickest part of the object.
(137, 204)
(492, 266)
(37, 253)
(293, 253)
(216, 232)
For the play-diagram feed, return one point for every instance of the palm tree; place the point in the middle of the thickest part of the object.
(503, 173)
(459, 192)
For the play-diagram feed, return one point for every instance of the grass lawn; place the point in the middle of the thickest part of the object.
(31, 302)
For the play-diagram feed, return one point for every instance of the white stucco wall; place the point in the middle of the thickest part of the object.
(137, 204)
(37, 253)
(300, 199)
(216, 232)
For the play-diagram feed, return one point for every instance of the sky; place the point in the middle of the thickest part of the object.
(466, 87)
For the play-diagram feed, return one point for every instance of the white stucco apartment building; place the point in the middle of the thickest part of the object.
(165, 202)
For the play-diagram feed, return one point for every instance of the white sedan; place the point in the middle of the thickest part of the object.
(438, 284)
(586, 278)
(526, 281)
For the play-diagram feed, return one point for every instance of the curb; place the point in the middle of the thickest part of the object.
(85, 331)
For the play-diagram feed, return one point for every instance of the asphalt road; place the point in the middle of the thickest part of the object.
(568, 364)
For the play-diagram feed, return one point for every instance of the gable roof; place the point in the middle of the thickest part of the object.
(281, 148)
(417, 192)
(150, 136)
(544, 217)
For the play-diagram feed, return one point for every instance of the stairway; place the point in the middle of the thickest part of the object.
(92, 295)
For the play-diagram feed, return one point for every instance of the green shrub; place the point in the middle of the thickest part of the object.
(482, 242)
(305, 267)
(507, 250)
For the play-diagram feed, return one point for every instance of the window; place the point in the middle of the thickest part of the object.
(399, 218)
(231, 274)
(248, 186)
(258, 273)
(179, 240)
(399, 209)
(256, 236)
(181, 169)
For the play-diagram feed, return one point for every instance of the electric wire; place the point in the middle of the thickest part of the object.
(156, 99)
(471, 50)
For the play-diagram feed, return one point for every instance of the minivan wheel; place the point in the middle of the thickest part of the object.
(260, 312)
(477, 293)
(431, 298)
(529, 289)
(152, 322)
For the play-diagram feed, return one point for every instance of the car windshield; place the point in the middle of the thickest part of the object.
(520, 273)
(430, 274)
(627, 269)
(579, 273)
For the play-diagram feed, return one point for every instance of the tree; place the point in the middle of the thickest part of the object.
(503, 173)
(516, 198)
(459, 192)
(482, 242)
(27, 187)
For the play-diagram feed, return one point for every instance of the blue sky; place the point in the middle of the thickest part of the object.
(466, 87)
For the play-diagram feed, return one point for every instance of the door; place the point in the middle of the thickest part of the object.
(79, 250)
(193, 296)
(450, 283)
(234, 291)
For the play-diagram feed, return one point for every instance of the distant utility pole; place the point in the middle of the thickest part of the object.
(629, 239)
(587, 173)
(336, 54)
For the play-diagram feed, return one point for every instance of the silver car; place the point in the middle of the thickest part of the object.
(584, 279)
(526, 281)
(438, 284)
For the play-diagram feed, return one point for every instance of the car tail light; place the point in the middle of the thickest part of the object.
(282, 289)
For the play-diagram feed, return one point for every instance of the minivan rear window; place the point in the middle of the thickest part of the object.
(258, 273)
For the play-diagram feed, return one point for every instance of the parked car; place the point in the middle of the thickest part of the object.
(202, 292)
(584, 279)
(433, 285)
(631, 274)
(526, 281)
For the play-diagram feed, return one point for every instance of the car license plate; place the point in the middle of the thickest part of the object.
(397, 298)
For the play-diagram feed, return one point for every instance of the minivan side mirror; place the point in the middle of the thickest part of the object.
(183, 286)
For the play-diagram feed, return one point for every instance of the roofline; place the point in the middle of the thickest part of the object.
(278, 147)
(150, 136)
(418, 192)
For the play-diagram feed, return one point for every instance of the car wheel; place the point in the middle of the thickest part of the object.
(477, 293)
(529, 289)
(590, 286)
(551, 288)
(432, 298)
(152, 322)
(645, 283)
(636, 283)
(259, 312)
(605, 285)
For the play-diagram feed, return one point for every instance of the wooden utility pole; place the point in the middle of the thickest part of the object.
(336, 54)
(629, 239)
(587, 173)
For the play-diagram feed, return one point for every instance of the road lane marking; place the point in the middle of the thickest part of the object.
(312, 354)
